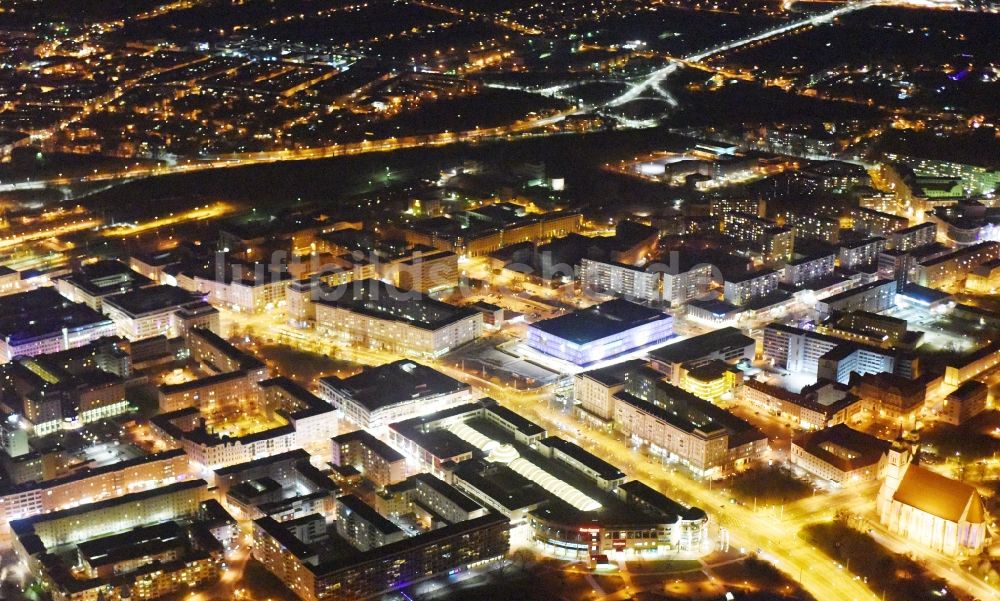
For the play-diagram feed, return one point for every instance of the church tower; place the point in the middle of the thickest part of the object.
(898, 461)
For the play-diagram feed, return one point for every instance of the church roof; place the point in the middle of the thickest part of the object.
(940, 496)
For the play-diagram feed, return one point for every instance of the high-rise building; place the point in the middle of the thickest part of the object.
(628, 282)
(744, 288)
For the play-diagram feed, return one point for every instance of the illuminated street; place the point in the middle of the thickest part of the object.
(466, 300)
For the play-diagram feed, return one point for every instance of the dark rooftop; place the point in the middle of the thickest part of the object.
(614, 375)
(603, 469)
(600, 321)
(385, 385)
(448, 491)
(858, 449)
(702, 345)
(42, 312)
(382, 301)
(368, 514)
(373, 444)
(151, 300)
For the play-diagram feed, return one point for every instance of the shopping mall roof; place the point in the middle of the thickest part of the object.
(600, 321)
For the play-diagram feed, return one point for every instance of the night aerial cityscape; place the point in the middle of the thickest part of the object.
(499, 300)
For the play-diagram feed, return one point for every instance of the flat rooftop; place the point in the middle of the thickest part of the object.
(502, 484)
(601, 467)
(392, 383)
(41, 313)
(715, 306)
(862, 242)
(136, 498)
(702, 345)
(375, 445)
(970, 389)
(448, 491)
(659, 502)
(746, 276)
(959, 253)
(923, 294)
(523, 424)
(242, 358)
(852, 292)
(153, 299)
(379, 300)
(106, 277)
(368, 514)
(412, 544)
(600, 321)
(145, 540)
(613, 375)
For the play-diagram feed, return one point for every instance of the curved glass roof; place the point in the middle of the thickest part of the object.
(473, 437)
(508, 454)
(554, 485)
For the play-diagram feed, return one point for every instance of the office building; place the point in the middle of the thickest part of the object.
(490, 228)
(594, 390)
(216, 355)
(860, 253)
(826, 357)
(873, 297)
(54, 396)
(953, 267)
(893, 397)
(477, 542)
(376, 460)
(816, 406)
(211, 450)
(715, 381)
(972, 364)
(41, 321)
(984, 279)
(965, 402)
(218, 393)
(684, 428)
(726, 344)
(625, 281)
(92, 520)
(744, 288)
(197, 314)
(91, 283)
(314, 420)
(392, 392)
(38, 496)
(370, 313)
(363, 527)
(147, 312)
(871, 329)
(807, 269)
(119, 551)
(426, 272)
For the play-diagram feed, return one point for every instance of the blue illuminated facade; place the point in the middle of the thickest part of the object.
(601, 332)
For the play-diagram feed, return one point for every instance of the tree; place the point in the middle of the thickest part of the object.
(522, 557)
